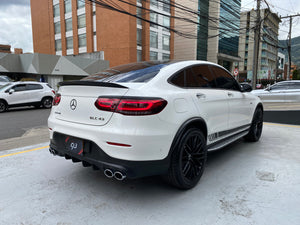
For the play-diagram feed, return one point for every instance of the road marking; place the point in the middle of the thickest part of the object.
(31, 150)
(281, 125)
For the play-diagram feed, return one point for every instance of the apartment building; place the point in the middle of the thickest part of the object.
(74, 27)
(267, 60)
(214, 31)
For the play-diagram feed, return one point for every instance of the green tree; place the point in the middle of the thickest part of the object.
(296, 75)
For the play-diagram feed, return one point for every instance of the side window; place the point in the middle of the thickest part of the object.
(33, 87)
(224, 80)
(19, 87)
(279, 87)
(203, 76)
(185, 78)
(198, 76)
(178, 79)
(294, 85)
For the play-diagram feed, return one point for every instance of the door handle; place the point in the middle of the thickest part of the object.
(201, 96)
(229, 94)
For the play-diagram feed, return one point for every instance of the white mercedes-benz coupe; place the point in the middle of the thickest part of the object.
(152, 118)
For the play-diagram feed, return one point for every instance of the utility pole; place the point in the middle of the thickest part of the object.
(290, 43)
(256, 46)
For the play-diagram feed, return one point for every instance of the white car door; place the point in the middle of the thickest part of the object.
(211, 103)
(35, 92)
(18, 96)
(239, 103)
(276, 93)
(293, 93)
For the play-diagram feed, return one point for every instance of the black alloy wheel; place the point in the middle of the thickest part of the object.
(256, 126)
(188, 160)
(47, 102)
(3, 106)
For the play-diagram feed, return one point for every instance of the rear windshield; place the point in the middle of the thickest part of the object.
(134, 72)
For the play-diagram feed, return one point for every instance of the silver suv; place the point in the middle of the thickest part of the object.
(284, 91)
(29, 93)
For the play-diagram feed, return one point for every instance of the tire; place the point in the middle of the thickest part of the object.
(188, 160)
(256, 126)
(3, 106)
(47, 102)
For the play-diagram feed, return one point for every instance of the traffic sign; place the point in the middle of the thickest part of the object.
(236, 72)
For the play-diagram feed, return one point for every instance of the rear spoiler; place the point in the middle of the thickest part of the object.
(90, 83)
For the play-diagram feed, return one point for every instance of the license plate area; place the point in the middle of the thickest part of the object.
(74, 145)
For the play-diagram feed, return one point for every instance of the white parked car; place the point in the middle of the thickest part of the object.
(284, 91)
(152, 118)
(26, 93)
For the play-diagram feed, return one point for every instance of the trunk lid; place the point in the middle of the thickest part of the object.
(78, 99)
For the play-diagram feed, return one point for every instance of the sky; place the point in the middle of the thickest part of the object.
(15, 20)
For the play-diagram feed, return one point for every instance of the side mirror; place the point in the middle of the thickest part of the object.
(11, 91)
(246, 88)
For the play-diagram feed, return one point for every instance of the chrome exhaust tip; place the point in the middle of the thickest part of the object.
(108, 173)
(119, 176)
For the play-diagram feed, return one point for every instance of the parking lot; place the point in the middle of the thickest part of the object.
(245, 183)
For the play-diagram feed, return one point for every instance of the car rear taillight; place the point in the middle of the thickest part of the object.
(53, 91)
(131, 106)
(56, 99)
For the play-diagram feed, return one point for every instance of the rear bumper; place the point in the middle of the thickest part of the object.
(93, 155)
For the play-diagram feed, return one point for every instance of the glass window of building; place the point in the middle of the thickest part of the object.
(166, 42)
(153, 55)
(69, 24)
(154, 3)
(139, 55)
(153, 19)
(82, 40)
(58, 45)
(139, 37)
(139, 14)
(166, 5)
(81, 21)
(69, 42)
(153, 39)
(68, 7)
(57, 28)
(166, 56)
(56, 10)
(80, 4)
(166, 22)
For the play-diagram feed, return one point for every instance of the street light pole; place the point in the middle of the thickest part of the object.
(256, 46)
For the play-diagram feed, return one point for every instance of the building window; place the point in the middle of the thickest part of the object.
(166, 42)
(139, 37)
(139, 14)
(69, 24)
(166, 5)
(56, 10)
(153, 55)
(68, 7)
(139, 55)
(166, 57)
(153, 19)
(70, 43)
(82, 40)
(58, 45)
(153, 39)
(80, 4)
(81, 21)
(166, 23)
(154, 3)
(57, 28)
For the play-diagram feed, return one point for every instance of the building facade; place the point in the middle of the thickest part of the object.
(216, 31)
(74, 27)
(267, 59)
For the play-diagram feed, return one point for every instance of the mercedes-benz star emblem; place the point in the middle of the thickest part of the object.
(73, 104)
